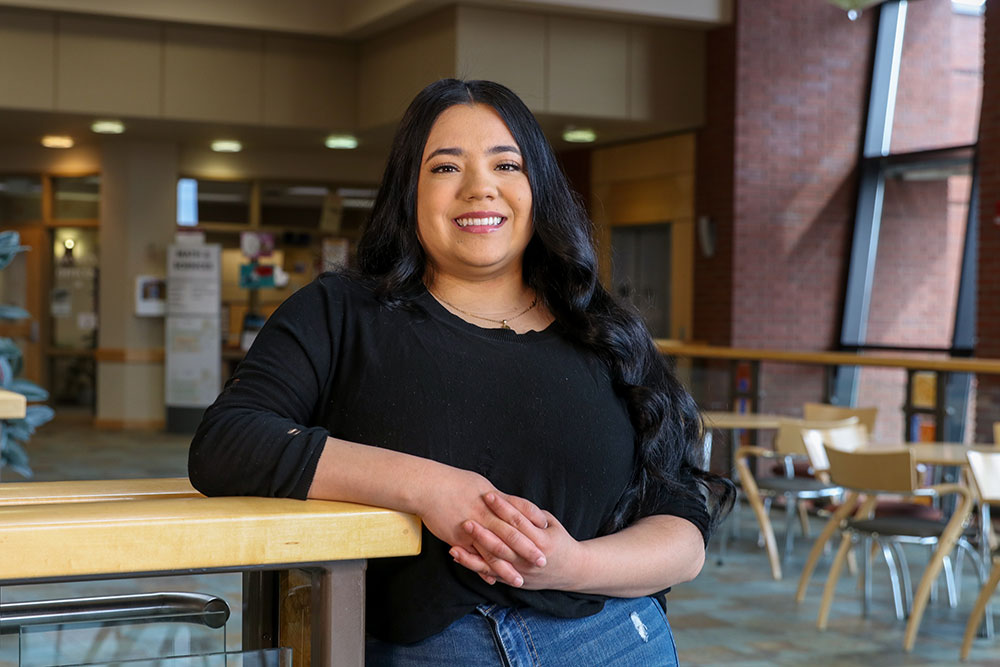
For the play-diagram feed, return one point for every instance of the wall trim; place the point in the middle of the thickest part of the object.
(129, 424)
(153, 355)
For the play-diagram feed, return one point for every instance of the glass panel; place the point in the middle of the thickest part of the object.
(919, 261)
(641, 272)
(76, 198)
(296, 205)
(212, 201)
(143, 637)
(940, 78)
(73, 300)
(20, 198)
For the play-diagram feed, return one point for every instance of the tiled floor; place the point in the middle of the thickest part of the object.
(733, 614)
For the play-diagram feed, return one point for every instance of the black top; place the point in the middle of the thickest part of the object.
(534, 413)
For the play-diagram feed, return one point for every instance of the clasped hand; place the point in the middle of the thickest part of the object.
(501, 537)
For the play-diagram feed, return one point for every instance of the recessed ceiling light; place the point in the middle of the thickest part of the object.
(107, 127)
(226, 146)
(57, 141)
(579, 135)
(342, 141)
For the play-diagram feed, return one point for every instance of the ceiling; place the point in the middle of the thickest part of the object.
(349, 19)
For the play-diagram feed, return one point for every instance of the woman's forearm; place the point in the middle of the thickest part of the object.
(358, 473)
(653, 554)
(444, 497)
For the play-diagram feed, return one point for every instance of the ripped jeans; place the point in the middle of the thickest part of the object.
(627, 632)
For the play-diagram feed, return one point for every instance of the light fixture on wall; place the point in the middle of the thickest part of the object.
(854, 7)
(57, 141)
(226, 146)
(107, 127)
(579, 135)
(341, 141)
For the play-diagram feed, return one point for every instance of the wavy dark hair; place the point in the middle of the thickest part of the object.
(560, 265)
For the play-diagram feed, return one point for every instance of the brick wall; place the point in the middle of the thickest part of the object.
(802, 78)
(714, 172)
(794, 125)
(988, 307)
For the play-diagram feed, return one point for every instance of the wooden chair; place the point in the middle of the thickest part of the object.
(893, 472)
(848, 438)
(824, 412)
(788, 445)
(996, 433)
(986, 471)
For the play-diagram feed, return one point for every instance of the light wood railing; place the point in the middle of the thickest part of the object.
(122, 528)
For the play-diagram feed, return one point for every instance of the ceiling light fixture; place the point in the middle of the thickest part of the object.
(107, 127)
(579, 135)
(57, 141)
(342, 141)
(226, 146)
(854, 7)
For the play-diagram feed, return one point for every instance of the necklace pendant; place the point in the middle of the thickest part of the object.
(503, 325)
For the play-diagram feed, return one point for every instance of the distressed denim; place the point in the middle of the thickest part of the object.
(628, 632)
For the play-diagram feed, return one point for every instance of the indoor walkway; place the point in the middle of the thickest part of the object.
(733, 614)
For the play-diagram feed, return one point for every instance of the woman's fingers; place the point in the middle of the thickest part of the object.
(521, 525)
(525, 507)
(515, 542)
(473, 561)
(488, 566)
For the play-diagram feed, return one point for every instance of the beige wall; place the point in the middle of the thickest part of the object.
(138, 218)
(336, 18)
(562, 66)
(100, 65)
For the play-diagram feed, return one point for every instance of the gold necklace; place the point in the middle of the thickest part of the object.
(503, 323)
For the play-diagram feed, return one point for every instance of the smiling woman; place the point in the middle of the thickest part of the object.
(475, 372)
(474, 218)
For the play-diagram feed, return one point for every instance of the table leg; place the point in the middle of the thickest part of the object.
(260, 610)
(338, 622)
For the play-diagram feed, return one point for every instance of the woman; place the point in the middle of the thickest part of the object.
(475, 373)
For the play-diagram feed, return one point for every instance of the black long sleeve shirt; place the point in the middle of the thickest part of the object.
(534, 413)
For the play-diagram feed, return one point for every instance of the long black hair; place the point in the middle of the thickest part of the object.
(560, 265)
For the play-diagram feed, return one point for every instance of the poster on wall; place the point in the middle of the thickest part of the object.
(193, 347)
(193, 279)
(193, 361)
(150, 296)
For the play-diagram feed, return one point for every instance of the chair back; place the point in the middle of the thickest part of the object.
(891, 471)
(827, 412)
(996, 433)
(986, 471)
(845, 437)
(788, 440)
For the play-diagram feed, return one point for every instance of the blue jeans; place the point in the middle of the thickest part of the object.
(628, 632)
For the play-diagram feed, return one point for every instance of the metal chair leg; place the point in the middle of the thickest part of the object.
(893, 580)
(867, 575)
(789, 523)
(949, 582)
(904, 569)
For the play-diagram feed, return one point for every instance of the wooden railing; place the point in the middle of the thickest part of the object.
(953, 365)
(926, 376)
(124, 528)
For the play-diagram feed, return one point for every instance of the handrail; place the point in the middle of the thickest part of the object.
(94, 490)
(12, 404)
(962, 365)
(198, 608)
(177, 534)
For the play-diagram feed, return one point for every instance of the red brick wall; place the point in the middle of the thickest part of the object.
(988, 307)
(714, 172)
(802, 78)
